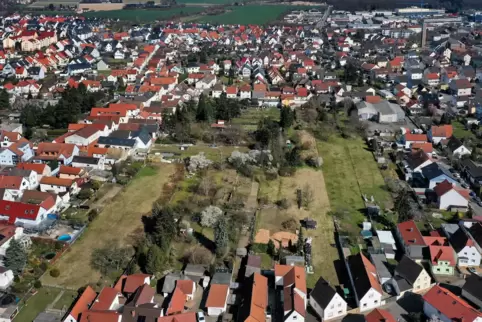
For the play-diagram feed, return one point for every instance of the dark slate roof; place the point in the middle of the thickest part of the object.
(433, 171)
(116, 141)
(403, 284)
(85, 160)
(454, 143)
(458, 240)
(143, 135)
(476, 232)
(408, 269)
(473, 286)
(221, 278)
(322, 293)
(474, 170)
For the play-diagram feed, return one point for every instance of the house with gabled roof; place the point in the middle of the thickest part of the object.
(410, 276)
(465, 248)
(379, 315)
(439, 133)
(443, 305)
(326, 302)
(442, 255)
(365, 282)
(82, 305)
(450, 196)
(254, 303)
(411, 239)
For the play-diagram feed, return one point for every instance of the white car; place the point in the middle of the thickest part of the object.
(200, 317)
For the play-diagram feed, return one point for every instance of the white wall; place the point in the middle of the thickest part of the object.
(294, 317)
(472, 254)
(452, 198)
(422, 282)
(370, 300)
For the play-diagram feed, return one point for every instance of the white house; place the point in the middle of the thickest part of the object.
(6, 278)
(57, 185)
(294, 296)
(450, 196)
(467, 252)
(84, 136)
(367, 287)
(326, 302)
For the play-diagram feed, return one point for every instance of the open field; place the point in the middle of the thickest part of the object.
(119, 219)
(460, 132)
(250, 118)
(324, 254)
(351, 171)
(215, 154)
(139, 15)
(251, 14)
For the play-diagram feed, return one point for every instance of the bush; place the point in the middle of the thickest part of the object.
(59, 245)
(259, 248)
(271, 175)
(92, 215)
(286, 171)
(283, 203)
(246, 170)
(55, 272)
(289, 224)
(96, 185)
(44, 266)
(84, 194)
(37, 284)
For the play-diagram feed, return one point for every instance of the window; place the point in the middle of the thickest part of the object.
(364, 305)
(447, 270)
(332, 306)
(437, 269)
(376, 301)
(340, 312)
(339, 304)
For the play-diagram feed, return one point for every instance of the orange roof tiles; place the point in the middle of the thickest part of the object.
(83, 303)
(53, 181)
(218, 294)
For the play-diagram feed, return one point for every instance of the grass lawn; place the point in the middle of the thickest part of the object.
(140, 15)
(251, 14)
(351, 171)
(460, 132)
(66, 300)
(266, 261)
(219, 153)
(250, 118)
(118, 221)
(324, 254)
(37, 304)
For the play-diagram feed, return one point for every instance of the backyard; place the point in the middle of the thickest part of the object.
(350, 171)
(250, 118)
(271, 218)
(119, 219)
(213, 153)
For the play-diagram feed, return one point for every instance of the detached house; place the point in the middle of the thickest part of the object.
(443, 305)
(254, 300)
(326, 302)
(411, 240)
(410, 277)
(450, 196)
(464, 247)
(442, 256)
(439, 133)
(294, 296)
(457, 148)
(368, 290)
(460, 87)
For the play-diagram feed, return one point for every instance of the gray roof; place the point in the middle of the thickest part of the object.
(170, 282)
(379, 260)
(221, 278)
(107, 140)
(85, 160)
(196, 270)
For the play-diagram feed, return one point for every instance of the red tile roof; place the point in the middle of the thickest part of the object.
(37, 167)
(15, 210)
(100, 316)
(105, 299)
(410, 233)
(442, 253)
(54, 181)
(425, 147)
(415, 137)
(184, 317)
(445, 131)
(379, 315)
(10, 182)
(259, 299)
(371, 272)
(217, 295)
(178, 300)
(69, 170)
(83, 303)
(448, 304)
(134, 281)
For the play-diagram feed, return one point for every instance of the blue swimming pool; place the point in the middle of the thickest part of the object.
(64, 238)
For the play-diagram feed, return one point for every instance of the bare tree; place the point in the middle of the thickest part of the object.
(307, 196)
(198, 255)
(206, 185)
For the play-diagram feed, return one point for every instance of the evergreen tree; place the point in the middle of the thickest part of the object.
(15, 257)
(156, 261)
(164, 228)
(286, 117)
(271, 248)
(300, 243)
(221, 236)
(4, 100)
(205, 112)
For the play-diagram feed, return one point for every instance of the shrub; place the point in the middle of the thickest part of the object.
(44, 266)
(259, 248)
(59, 245)
(289, 224)
(286, 171)
(37, 284)
(246, 170)
(55, 272)
(283, 203)
(92, 215)
(84, 194)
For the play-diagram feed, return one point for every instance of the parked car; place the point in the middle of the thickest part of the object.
(472, 194)
(200, 317)
(456, 175)
(464, 185)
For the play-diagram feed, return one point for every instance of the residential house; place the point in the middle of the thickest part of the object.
(254, 299)
(40, 169)
(253, 265)
(415, 277)
(457, 148)
(82, 305)
(443, 305)
(294, 296)
(61, 152)
(379, 315)
(217, 300)
(88, 162)
(471, 291)
(25, 213)
(368, 290)
(450, 196)
(435, 174)
(442, 255)
(460, 87)
(464, 246)
(411, 239)
(326, 302)
(439, 133)
(472, 171)
(84, 136)
(58, 186)
(411, 138)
